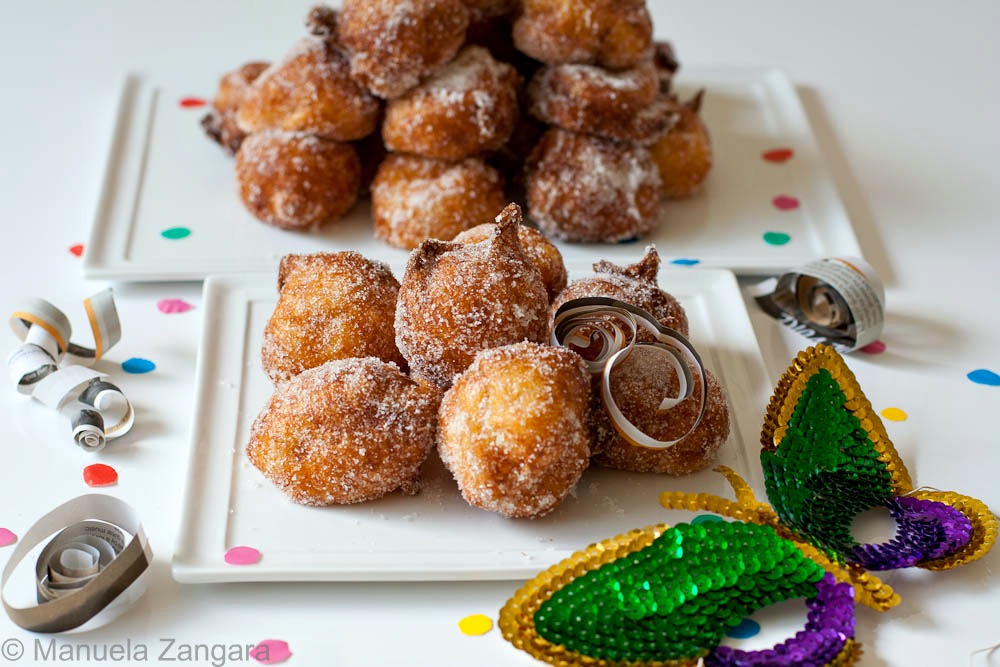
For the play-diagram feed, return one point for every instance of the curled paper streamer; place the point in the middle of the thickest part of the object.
(604, 332)
(54, 370)
(92, 566)
(839, 301)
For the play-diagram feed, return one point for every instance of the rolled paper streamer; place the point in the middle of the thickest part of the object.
(839, 301)
(93, 565)
(54, 370)
(604, 332)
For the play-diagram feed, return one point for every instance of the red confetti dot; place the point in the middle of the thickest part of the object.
(778, 155)
(76, 249)
(192, 102)
(785, 203)
(874, 347)
(99, 474)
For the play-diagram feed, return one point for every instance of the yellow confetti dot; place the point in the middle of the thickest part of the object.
(894, 414)
(476, 624)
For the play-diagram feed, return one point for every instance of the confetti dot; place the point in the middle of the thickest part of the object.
(475, 625)
(99, 474)
(685, 262)
(706, 518)
(785, 203)
(7, 538)
(631, 239)
(192, 102)
(874, 347)
(894, 414)
(76, 250)
(242, 556)
(170, 306)
(270, 652)
(175, 233)
(984, 376)
(777, 238)
(778, 155)
(747, 628)
(137, 365)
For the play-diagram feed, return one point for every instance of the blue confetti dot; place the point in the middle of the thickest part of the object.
(137, 365)
(629, 240)
(984, 376)
(746, 629)
(706, 518)
(685, 262)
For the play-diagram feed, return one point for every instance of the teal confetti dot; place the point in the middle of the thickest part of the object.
(747, 628)
(137, 365)
(776, 238)
(984, 376)
(685, 262)
(706, 518)
(175, 233)
(631, 239)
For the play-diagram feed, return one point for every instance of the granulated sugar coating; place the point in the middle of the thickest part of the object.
(621, 105)
(295, 180)
(616, 34)
(635, 285)
(591, 189)
(310, 90)
(345, 432)
(395, 43)
(467, 108)
(331, 306)
(416, 198)
(638, 385)
(542, 253)
(513, 428)
(456, 299)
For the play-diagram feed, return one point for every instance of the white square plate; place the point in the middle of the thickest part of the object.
(434, 535)
(163, 172)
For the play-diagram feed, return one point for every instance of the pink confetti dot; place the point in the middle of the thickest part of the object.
(271, 652)
(170, 306)
(874, 347)
(242, 556)
(785, 203)
(7, 538)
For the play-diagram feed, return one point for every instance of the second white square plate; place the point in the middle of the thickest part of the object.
(434, 535)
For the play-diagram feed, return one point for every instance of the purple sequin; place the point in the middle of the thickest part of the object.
(829, 624)
(925, 530)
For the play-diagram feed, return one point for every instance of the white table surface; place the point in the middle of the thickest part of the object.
(904, 98)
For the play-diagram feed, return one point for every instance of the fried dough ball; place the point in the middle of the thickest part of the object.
(466, 108)
(481, 10)
(541, 251)
(513, 428)
(666, 65)
(331, 305)
(220, 123)
(345, 432)
(616, 34)
(416, 198)
(395, 43)
(456, 299)
(310, 90)
(295, 180)
(586, 188)
(684, 155)
(619, 105)
(638, 385)
(635, 285)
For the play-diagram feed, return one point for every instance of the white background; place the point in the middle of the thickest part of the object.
(904, 98)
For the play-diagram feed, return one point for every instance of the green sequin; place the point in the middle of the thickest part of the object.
(654, 606)
(826, 470)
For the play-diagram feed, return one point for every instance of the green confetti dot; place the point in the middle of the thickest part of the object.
(175, 233)
(776, 238)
